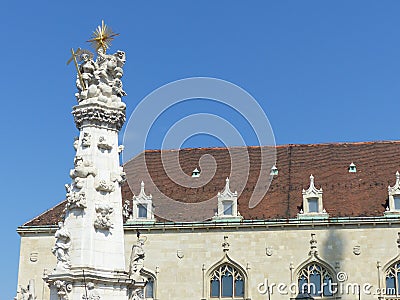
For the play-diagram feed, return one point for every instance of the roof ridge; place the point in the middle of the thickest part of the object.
(276, 146)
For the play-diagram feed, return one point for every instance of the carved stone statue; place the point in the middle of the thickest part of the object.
(137, 295)
(137, 260)
(27, 293)
(61, 247)
(126, 210)
(101, 78)
(92, 293)
(103, 220)
(63, 288)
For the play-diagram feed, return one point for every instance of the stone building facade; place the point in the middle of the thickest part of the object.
(329, 221)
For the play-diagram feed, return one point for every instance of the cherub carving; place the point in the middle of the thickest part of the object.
(103, 220)
(82, 169)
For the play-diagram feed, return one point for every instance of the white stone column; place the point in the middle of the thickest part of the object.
(90, 242)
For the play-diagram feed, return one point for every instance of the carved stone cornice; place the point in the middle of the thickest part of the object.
(98, 115)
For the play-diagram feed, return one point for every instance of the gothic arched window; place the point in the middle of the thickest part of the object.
(392, 280)
(316, 280)
(226, 282)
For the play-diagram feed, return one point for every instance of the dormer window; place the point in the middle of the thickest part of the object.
(394, 198)
(274, 171)
(352, 168)
(196, 173)
(312, 203)
(142, 207)
(227, 205)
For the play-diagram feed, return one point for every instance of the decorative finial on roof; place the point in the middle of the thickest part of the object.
(312, 189)
(142, 187)
(392, 189)
(313, 245)
(227, 191)
(225, 244)
(311, 180)
(142, 195)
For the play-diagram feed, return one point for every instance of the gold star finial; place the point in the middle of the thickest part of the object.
(102, 37)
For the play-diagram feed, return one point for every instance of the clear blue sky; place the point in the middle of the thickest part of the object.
(323, 71)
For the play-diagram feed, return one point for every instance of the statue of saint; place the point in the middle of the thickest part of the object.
(137, 259)
(61, 247)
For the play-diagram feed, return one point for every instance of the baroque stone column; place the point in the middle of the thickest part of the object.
(90, 242)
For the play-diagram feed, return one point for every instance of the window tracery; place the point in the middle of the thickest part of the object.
(226, 282)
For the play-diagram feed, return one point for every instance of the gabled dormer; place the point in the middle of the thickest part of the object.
(312, 203)
(227, 208)
(393, 209)
(142, 207)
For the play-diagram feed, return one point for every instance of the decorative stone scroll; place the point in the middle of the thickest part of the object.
(103, 220)
(61, 247)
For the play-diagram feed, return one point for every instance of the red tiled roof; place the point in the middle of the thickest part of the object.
(345, 194)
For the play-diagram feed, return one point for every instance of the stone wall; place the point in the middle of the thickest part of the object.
(180, 257)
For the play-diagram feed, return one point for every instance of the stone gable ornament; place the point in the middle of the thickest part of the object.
(269, 251)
